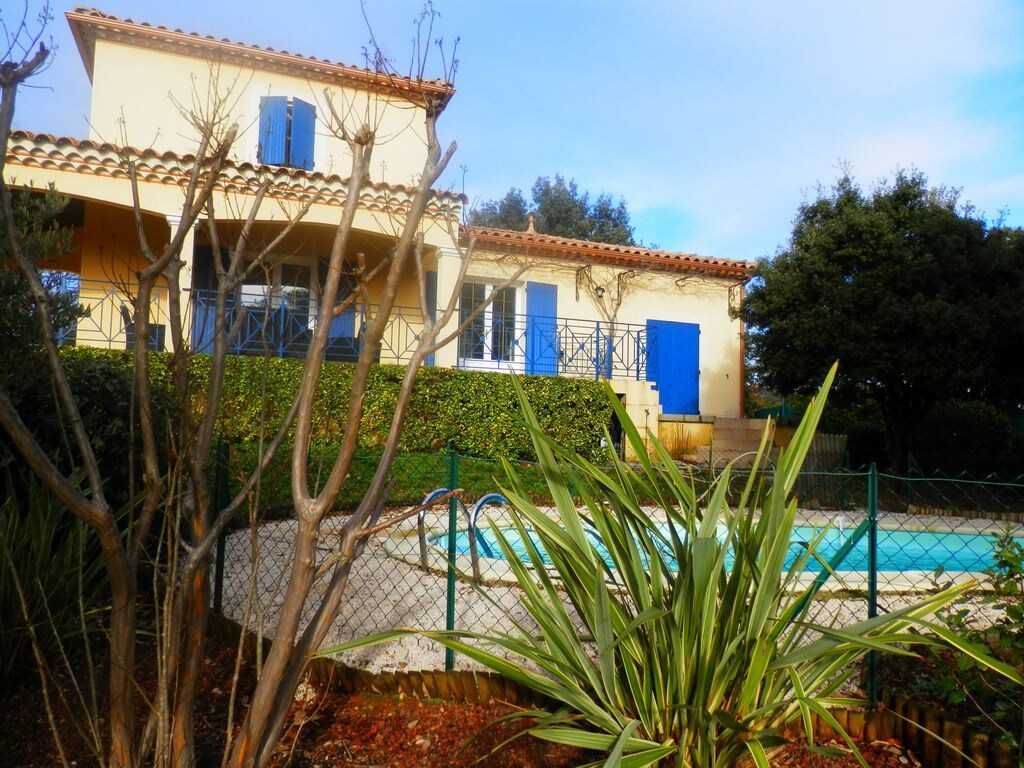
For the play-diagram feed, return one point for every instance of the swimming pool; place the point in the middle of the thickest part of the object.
(898, 550)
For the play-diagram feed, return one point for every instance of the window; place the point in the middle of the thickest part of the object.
(289, 286)
(286, 132)
(63, 288)
(491, 340)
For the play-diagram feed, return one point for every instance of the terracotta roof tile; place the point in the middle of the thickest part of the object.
(63, 153)
(625, 255)
(89, 23)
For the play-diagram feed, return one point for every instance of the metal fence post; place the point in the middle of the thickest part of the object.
(872, 671)
(220, 490)
(453, 522)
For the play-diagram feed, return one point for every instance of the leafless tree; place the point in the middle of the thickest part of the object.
(176, 501)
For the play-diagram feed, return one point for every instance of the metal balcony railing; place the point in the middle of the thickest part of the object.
(283, 327)
(556, 346)
(108, 316)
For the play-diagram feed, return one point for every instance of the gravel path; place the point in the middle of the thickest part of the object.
(383, 593)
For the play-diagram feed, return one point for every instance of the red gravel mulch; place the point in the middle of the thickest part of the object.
(340, 730)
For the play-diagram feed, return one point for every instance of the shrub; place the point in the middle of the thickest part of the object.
(102, 383)
(53, 559)
(413, 476)
(476, 410)
(992, 704)
(692, 646)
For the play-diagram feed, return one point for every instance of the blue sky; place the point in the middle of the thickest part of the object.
(714, 120)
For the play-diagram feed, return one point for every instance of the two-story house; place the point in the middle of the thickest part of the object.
(655, 324)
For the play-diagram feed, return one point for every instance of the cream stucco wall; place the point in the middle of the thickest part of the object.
(138, 94)
(651, 295)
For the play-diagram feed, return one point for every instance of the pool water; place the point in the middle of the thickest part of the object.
(898, 550)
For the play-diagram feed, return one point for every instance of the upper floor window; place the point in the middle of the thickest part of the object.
(286, 132)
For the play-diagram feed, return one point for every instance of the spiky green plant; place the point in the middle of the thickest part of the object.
(692, 646)
(46, 557)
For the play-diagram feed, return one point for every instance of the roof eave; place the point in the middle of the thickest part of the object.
(86, 44)
(599, 252)
(86, 27)
(29, 143)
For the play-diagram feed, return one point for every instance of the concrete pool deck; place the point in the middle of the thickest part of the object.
(387, 589)
(404, 545)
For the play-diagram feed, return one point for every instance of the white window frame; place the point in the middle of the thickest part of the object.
(517, 362)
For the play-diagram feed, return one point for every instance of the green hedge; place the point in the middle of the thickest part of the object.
(412, 476)
(102, 382)
(475, 410)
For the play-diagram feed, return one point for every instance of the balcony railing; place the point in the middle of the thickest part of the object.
(283, 327)
(556, 346)
(108, 315)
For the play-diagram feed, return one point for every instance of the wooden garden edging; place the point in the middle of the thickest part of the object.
(468, 686)
(896, 718)
(902, 719)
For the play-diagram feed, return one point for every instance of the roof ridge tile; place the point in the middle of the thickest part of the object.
(557, 244)
(402, 82)
(294, 175)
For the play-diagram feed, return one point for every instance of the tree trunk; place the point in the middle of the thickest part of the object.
(122, 657)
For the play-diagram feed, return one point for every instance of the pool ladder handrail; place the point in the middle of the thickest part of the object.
(472, 516)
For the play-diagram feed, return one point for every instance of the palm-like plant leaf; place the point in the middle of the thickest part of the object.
(691, 646)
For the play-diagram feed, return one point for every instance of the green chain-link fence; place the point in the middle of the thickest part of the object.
(890, 538)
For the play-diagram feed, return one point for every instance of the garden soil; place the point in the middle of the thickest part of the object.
(327, 729)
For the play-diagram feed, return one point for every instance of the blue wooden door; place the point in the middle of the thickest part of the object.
(541, 329)
(673, 364)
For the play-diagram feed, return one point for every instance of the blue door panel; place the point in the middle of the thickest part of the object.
(673, 364)
(541, 330)
(342, 325)
(204, 314)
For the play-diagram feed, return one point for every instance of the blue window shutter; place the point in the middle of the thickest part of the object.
(273, 129)
(343, 326)
(303, 130)
(345, 323)
(430, 277)
(204, 322)
(541, 329)
(204, 294)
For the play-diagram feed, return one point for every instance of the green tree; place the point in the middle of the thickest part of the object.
(909, 289)
(42, 237)
(510, 212)
(559, 208)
